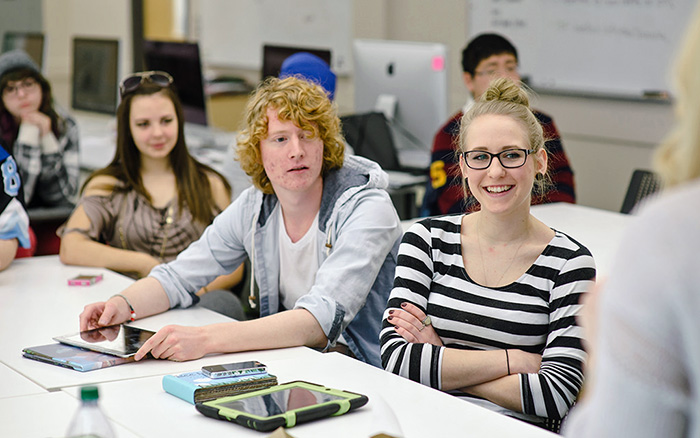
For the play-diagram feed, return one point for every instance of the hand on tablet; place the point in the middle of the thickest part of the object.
(105, 334)
(174, 342)
(102, 314)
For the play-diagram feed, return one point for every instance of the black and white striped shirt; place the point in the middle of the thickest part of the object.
(536, 313)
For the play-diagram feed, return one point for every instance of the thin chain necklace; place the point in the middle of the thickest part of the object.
(168, 222)
(483, 265)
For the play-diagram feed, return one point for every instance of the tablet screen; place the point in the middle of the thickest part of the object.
(119, 340)
(279, 402)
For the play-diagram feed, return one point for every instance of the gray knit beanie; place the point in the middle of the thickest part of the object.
(15, 59)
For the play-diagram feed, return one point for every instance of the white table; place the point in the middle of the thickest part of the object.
(396, 406)
(15, 385)
(44, 415)
(40, 298)
(598, 230)
(37, 304)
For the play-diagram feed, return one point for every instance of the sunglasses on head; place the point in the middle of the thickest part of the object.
(133, 82)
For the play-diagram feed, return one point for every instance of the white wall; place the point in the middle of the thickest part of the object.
(605, 139)
(20, 16)
(65, 19)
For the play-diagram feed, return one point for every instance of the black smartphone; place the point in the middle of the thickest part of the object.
(234, 369)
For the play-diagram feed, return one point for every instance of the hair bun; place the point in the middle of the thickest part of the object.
(506, 90)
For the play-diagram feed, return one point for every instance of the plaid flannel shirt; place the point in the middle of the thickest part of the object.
(49, 166)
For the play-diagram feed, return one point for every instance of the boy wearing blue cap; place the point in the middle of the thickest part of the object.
(312, 68)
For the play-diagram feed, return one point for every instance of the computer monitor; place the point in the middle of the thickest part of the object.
(30, 42)
(95, 75)
(408, 82)
(183, 63)
(274, 56)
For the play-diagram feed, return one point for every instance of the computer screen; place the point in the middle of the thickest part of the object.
(30, 42)
(95, 75)
(274, 56)
(183, 63)
(406, 78)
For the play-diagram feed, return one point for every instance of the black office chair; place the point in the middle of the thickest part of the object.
(45, 221)
(370, 136)
(642, 184)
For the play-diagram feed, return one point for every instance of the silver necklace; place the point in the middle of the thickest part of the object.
(483, 265)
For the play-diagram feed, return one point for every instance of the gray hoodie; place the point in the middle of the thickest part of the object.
(358, 236)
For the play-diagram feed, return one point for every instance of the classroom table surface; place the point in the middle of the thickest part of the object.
(15, 384)
(396, 406)
(598, 230)
(37, 295)
(38, 304)
(44, 415)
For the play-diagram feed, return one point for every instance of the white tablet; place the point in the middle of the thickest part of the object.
(118, 340)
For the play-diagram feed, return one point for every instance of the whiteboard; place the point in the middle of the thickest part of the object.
(622, 48)
(233, 32)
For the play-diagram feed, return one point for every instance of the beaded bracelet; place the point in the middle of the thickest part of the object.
(131, 308)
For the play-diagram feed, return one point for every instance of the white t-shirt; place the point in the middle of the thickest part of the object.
(298, 263)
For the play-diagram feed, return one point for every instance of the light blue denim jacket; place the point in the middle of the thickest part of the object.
(358, 236)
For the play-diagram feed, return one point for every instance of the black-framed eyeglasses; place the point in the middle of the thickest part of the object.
(27, 85)
(509, 70)
(133, 82)
(510, 158)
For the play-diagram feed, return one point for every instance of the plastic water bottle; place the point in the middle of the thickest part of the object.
(89, 420)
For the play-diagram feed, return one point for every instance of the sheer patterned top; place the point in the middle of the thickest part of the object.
(126, 219)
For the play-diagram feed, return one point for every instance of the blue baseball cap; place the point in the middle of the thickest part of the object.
(312, 68)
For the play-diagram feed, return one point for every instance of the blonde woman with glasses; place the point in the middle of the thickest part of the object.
(154, 198)
(484, 304)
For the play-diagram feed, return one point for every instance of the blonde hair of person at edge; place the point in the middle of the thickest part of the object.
(154, 198)
(319, 228)
(484, 304)
(643, 376)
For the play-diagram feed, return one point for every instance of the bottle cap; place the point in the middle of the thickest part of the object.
(89, 393)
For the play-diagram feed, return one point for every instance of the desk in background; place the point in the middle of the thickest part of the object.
(211, 146)
(215, 148)
(38, 304)
(598, 230)
(227, 110)
(406, 191)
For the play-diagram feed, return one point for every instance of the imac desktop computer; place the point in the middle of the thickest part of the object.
(183, 63)
(407, 81)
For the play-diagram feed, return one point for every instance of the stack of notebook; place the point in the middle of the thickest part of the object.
(195, 387)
